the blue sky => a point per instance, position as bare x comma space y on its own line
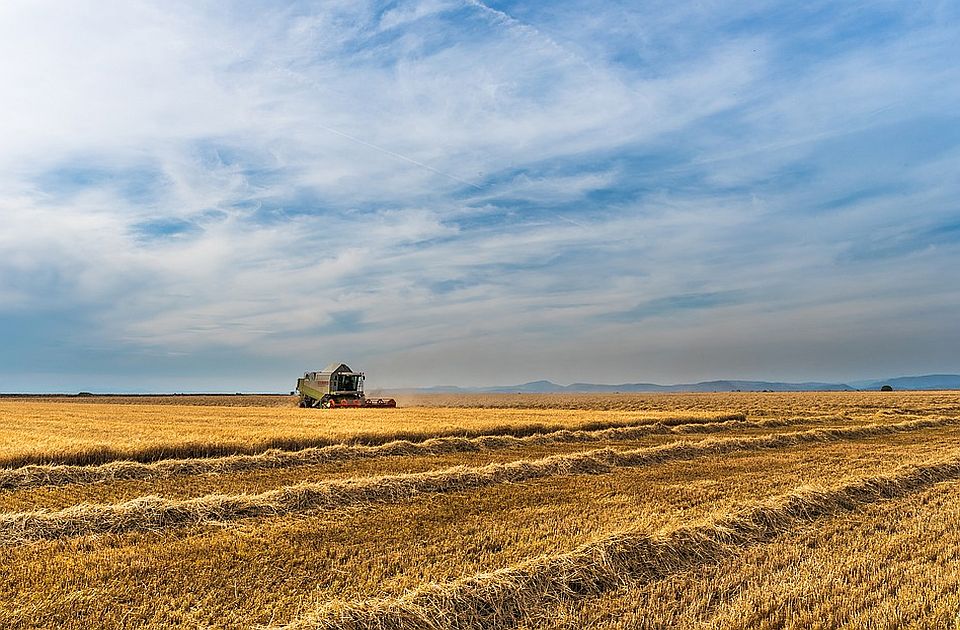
219, 196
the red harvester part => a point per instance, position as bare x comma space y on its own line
379, 402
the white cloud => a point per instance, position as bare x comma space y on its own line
348, 157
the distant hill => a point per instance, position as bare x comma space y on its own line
547, 387
705, 386
932, 381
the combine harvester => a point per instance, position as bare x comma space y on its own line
336, 386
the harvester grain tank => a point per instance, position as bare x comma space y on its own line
337, 386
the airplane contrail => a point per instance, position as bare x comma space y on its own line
370, 145
399, 156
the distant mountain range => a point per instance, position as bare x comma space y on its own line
928, 382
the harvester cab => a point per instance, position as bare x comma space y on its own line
336, 386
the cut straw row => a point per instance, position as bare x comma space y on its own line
95, 455
37, 475
505, 597
153, 513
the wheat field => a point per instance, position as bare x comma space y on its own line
814, 510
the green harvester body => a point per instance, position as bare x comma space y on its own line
336, 386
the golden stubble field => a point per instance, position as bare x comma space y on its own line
571, 511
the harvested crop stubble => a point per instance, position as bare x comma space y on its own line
859, 403
889, 565
36, 475
58, 497
34, 432
260, 571
503, 597
179, 400
751, 403
155, 513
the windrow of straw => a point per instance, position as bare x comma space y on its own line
505, 597
155, 513
149, 451
37, 475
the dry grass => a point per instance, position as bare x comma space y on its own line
892, 565
178, 400
279, 568
639, 510
151, 513
188, 486
506, 596
42, 431
750, 403
37, 475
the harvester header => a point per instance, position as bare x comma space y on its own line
336, 386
